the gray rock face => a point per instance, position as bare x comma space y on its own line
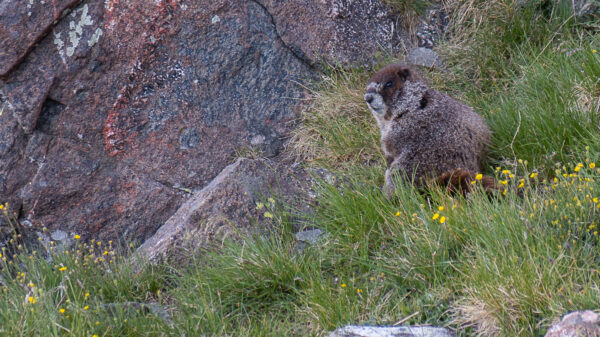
338, 31
110, 111
577, 324
404, 331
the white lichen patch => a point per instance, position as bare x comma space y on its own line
80, 24
215, 19
59, 43
95, 38
76, 29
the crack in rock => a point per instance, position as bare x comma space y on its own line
299, 54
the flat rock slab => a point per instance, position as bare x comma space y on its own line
400, 331
237, 201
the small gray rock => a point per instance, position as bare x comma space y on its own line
404, 331
577, 324
311, 236
58, 235
424, 57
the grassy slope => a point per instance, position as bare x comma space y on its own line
500, 267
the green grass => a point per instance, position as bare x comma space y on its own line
500, 266
79, 292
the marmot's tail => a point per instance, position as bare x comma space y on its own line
461, 181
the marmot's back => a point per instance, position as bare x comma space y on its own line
424, 132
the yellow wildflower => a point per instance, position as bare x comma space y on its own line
441, 208
86, 307
479, 176
62, 310
435, 216
268, 215
592, 165
343, 285
62, 268
77, 237
359, 290
397, 213
442, 219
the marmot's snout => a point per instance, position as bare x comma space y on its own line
375, 102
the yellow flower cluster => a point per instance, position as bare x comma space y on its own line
437, 216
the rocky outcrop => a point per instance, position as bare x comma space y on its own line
112, 112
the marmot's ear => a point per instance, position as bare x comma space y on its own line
405, 74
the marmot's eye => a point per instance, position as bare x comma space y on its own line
389, 84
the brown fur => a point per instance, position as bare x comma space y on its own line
425, 134
461, 181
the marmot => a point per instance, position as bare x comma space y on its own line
426, 135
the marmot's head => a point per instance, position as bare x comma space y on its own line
387, 91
